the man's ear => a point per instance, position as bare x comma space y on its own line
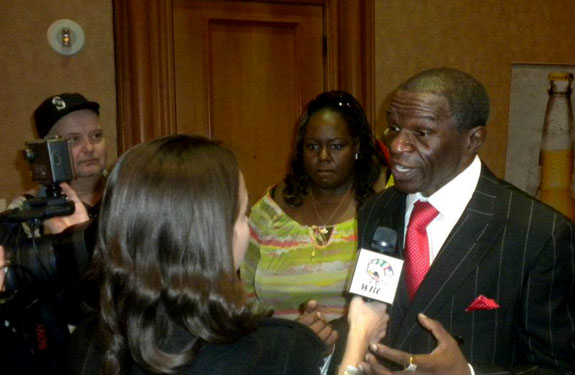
475, 138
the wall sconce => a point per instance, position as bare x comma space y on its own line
65, 37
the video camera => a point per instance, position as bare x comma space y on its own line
40, 294
50, 164
48, 260
45, 258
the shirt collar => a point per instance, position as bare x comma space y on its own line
454, 196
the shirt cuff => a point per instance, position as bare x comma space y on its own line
327, 361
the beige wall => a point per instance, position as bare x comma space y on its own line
30, 71
480, 37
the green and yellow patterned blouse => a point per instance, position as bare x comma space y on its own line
288, 263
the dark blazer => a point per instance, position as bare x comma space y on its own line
508, 247
277, 347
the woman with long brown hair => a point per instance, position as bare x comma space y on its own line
173, 232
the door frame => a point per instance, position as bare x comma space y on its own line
145, 67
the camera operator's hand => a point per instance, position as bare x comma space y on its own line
80, 215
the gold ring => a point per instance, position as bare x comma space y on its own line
412, 366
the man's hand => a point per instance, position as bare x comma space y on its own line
312, 317
445, 359
80, 215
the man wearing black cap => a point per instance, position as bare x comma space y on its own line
73, 117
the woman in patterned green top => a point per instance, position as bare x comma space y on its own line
303, 231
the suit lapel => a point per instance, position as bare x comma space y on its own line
468, 242
388, 211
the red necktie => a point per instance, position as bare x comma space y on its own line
417, 245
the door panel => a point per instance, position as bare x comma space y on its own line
243, 72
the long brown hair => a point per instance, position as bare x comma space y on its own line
166, 234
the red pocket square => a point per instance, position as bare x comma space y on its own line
483, 303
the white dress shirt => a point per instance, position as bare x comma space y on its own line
450, 201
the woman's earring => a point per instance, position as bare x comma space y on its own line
356, 155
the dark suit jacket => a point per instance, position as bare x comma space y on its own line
277, 347
506, 246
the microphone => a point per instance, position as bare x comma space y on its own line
384, 240
376, 273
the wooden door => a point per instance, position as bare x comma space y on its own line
243, 72
237, 71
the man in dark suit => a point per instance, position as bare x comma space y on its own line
499, 292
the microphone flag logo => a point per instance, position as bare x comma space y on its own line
376, 276
376, 268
